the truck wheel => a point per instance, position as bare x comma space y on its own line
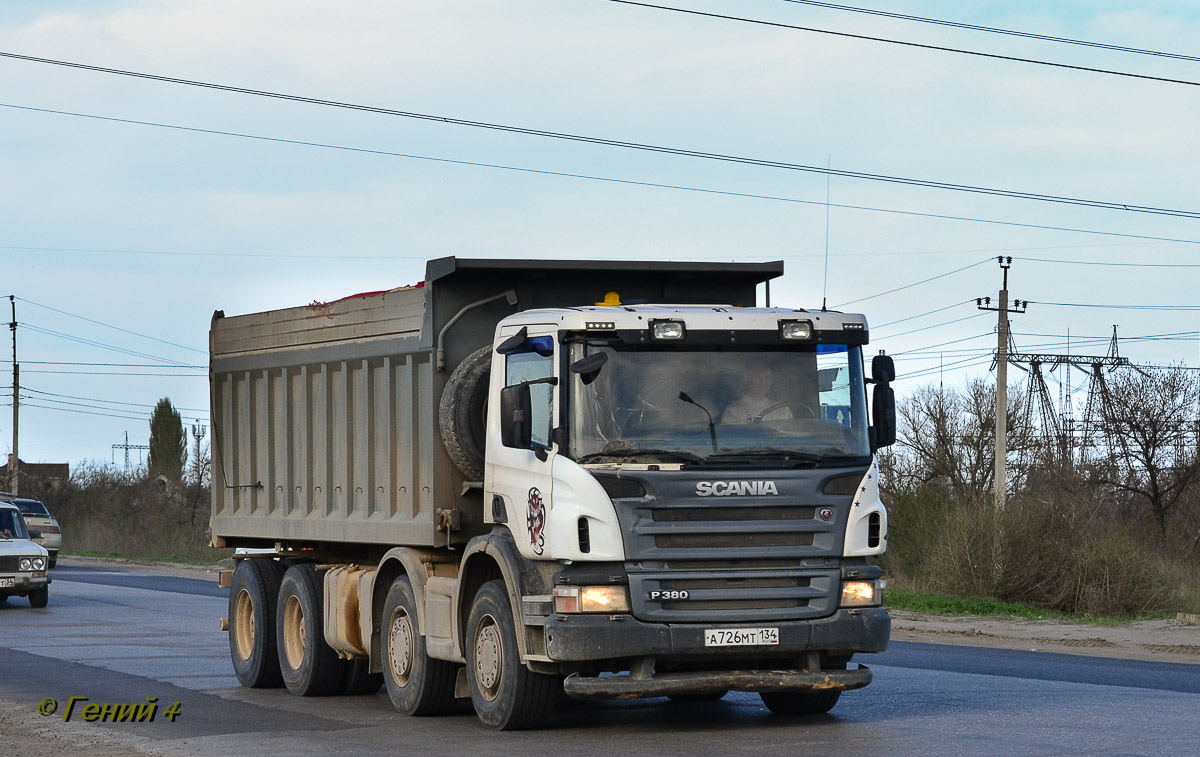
309, 666
252, 597
507, 695
416, 683
800, 703
462, 412
358, 680
40, 597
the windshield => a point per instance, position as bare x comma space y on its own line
719, 405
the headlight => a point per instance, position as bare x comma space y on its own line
861, 594
39, 563
667, 330
568, 599
795, 330
26, 563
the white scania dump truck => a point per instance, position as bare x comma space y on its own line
518, 477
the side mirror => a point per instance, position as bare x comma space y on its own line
883, 415
589, 367
516, 417
883, 370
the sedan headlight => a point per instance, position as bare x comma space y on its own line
861, 594
39, 563
610, 598
26, 563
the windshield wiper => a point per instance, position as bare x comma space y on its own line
784, 457
624, 454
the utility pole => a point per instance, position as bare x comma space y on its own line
985, 303
13, 472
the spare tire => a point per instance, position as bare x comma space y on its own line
462, 412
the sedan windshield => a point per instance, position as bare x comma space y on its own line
720, 406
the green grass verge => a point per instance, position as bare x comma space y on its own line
984, 607
218, 555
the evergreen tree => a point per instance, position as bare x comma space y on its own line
168, 442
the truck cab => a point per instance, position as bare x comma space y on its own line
703, 477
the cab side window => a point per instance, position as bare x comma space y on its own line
529, 362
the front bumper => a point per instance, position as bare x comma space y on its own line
705, 682
790, 665
571, 638
23, 583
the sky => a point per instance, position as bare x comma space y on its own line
131, 209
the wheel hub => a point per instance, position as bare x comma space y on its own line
293, 632
489, 658
244, 628
400, 646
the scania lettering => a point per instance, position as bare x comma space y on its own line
735, 488
522, 478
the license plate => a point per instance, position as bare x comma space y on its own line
8, 581
740, 637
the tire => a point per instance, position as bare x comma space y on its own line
40, 597
357, 680
53, 559
462, 412
416, 683
800, 703
252, 597
507, 695
309, 666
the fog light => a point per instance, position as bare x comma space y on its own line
667, 330
570, 599
860, 594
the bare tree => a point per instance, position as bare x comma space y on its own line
1151, 422
948, 436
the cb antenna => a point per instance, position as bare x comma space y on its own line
825, 286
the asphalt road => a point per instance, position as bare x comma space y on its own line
120, 638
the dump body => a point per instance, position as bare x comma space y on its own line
325, 417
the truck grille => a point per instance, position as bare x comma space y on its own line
759, 561
734, 595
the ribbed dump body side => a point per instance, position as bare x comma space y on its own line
324, 423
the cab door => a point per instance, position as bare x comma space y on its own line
518, 484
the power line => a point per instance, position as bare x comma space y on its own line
905, 43
118, 373
168, 362
85, 412
1107, 264
644, 147
934, 326
535, 171
995, 30
1117, 307
189, 410
110, 326
916, 283
921, 315
104, 365
84, 404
